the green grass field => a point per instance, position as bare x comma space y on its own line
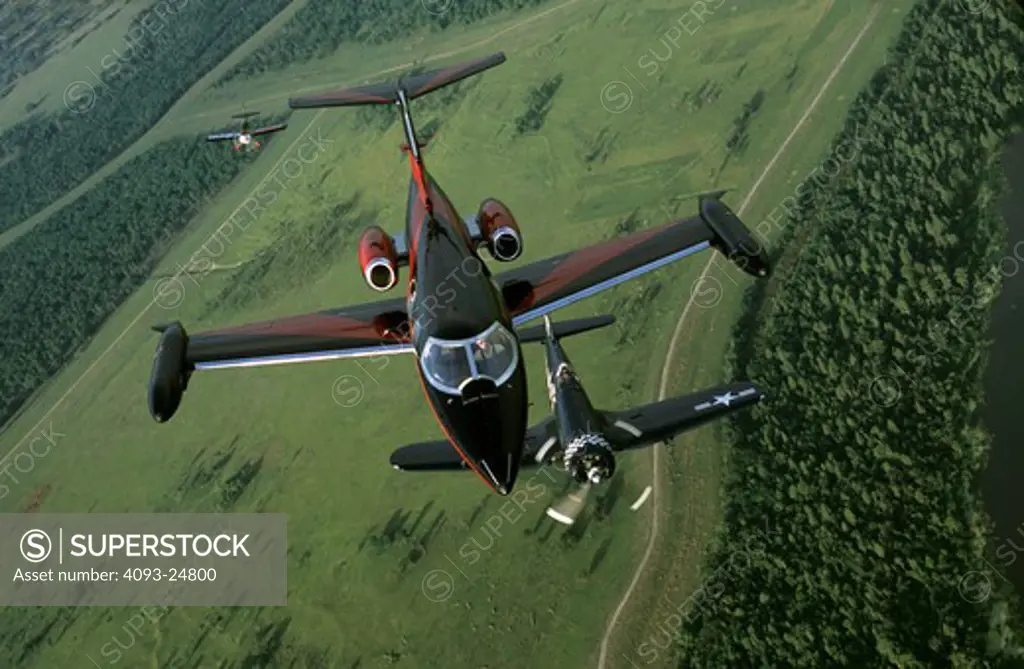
535, 595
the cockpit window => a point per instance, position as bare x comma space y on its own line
565, 373
494, 353
449, 364
446, 365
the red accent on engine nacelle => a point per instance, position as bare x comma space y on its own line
378, 259
499, 228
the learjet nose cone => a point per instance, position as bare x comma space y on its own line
492, 430
501, 468
497, 443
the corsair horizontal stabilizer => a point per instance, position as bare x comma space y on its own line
536, 333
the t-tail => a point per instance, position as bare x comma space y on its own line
401, 92
392, 92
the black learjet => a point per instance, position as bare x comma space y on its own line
583, 440
244, 137
461, 321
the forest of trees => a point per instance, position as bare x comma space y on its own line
91, 255
44, 157
854, 516
320, 27
30, 33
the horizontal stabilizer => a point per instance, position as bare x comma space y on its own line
713, 195
386, 93
536, 333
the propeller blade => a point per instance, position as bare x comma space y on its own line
568, 509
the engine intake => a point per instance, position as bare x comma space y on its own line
378, 259
169, 378
500, 230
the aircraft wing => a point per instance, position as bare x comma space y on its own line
367, 330
541, 287
634, 428
544, 286
221, 136
440, 456
645, 425
269, 129
376, 328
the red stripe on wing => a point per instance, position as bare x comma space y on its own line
577, 264
321, 325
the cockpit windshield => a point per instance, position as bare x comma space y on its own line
449, 364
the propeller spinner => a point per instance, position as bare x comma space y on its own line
589, 460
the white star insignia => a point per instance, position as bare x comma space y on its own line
725, 399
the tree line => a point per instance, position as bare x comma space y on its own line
30, 32
321, 26
64, 278
119, 98
855, 534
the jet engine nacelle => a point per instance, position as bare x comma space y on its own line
500, 230
733, 238
378, 259
169, 378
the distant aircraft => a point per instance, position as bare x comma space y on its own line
584, 440
243, 138
463, 323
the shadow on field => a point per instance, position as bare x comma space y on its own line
399, 532
606, 503
599, 556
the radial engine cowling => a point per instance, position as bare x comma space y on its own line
500, 231
378, 259
169, 378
